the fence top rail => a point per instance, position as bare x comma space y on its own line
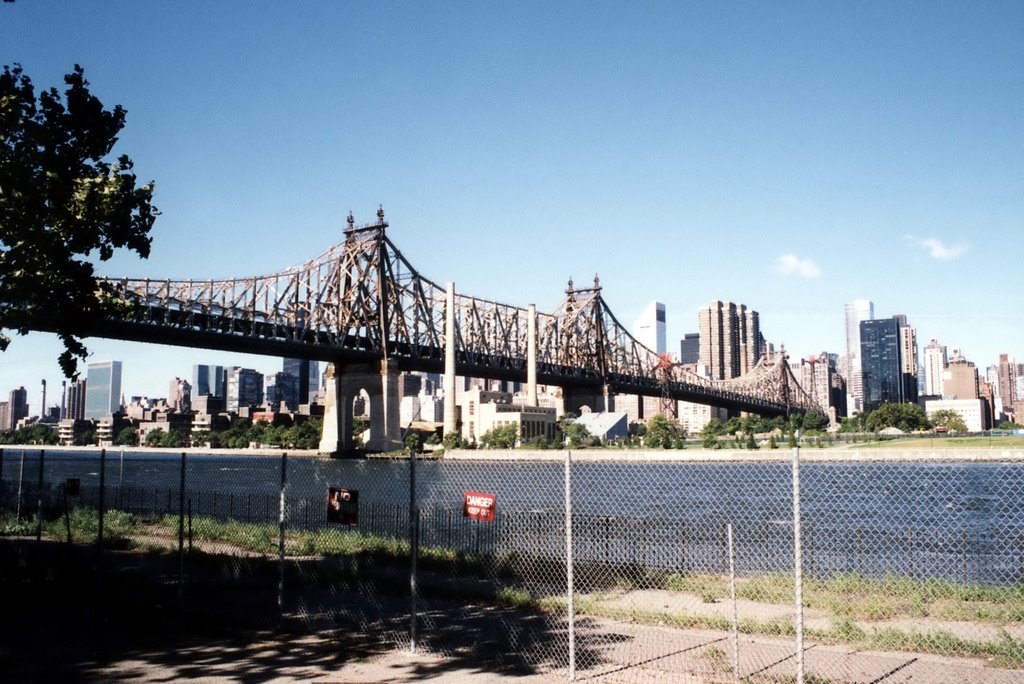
781, 455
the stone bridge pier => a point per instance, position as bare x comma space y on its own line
344, 383
597, 399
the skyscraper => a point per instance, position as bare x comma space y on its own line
960, 380
76, 400
17, 407
244, 388
908, 358
730, 339
853, 313
179, 395
689, 348
307, 377
281, 387
934, 363
208, 380
881, 363
649, 328
1007, 382
102, 389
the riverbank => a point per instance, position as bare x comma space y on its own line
843, 454
199, 451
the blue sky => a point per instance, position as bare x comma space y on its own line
788, 156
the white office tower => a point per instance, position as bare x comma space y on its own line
102, 389
935, 362
855, 312
649, 328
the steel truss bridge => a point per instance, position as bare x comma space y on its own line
362, 302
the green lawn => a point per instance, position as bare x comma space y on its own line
937, 442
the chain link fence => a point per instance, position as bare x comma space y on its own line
605, 566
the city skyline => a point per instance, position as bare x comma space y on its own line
792, 158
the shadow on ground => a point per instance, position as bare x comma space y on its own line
65, 619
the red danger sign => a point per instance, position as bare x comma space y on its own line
478, 505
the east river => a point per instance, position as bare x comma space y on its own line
960, 521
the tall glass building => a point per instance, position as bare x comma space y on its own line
208, 380
307, 378
102, 389
881, 362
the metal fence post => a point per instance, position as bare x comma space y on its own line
181, 530
414, 550
21, 480
39, 497
735, 612
571, 616
281, 528
101, 505
798, 580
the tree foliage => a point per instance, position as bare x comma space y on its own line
662, 433
573, 434
906, 417
501, 437
38, 433
63, 205
949, 419
128, 436
711, 432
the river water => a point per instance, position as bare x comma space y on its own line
960, 521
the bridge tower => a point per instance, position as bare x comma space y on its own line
584, 343
365, 284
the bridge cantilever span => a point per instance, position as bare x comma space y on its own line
361, 304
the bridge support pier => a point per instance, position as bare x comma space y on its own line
343, 386
597, 399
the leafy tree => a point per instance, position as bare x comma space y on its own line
37, 433
906, 417
306, 435
155, 437
661, 432
538, 442
732, 426
63, 205
1009, 425
577, 435
452, 440
359, 426
949, 419
855, 423
128, 436
172, 439
201, 438
85, 438
711, 433
573, 434
814, 422
501, 437
412, 442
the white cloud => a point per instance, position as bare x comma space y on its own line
940, 251
792, 265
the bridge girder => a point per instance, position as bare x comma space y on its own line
361, 300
